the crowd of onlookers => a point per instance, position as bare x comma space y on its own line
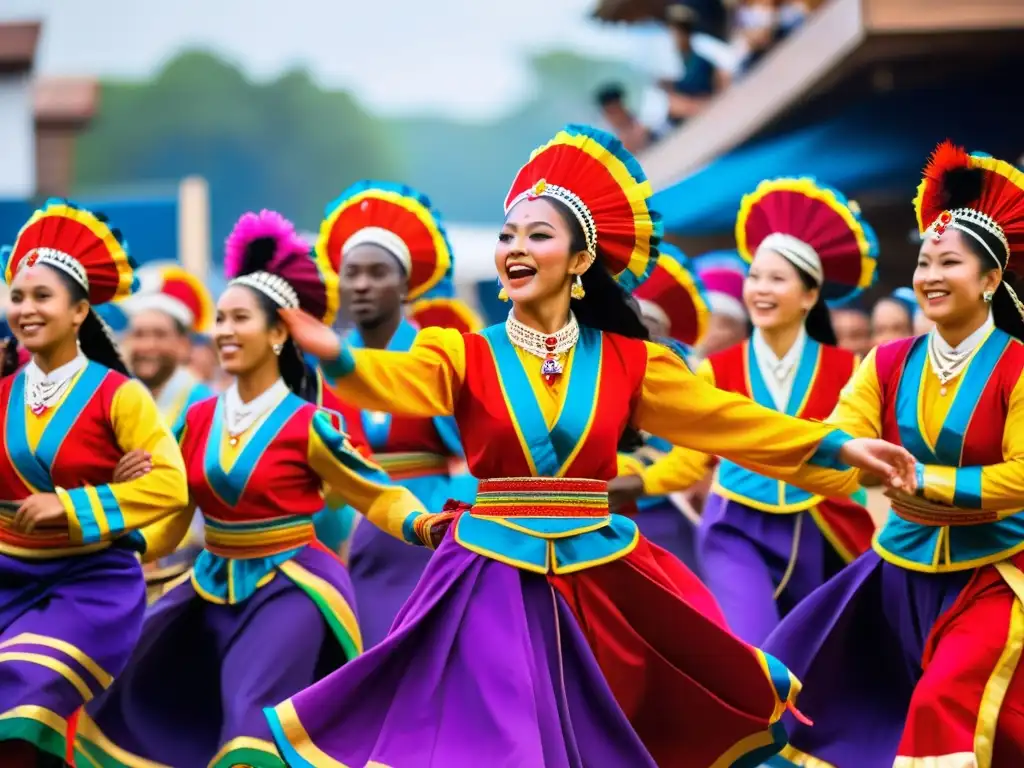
892, 317
718, 42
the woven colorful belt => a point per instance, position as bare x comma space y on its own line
257, 538
541, 497
402, 466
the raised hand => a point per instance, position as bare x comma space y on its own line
893, 463
310, 334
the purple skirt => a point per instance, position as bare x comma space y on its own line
486, 665
384, 572
194, 691
663, 524
67, 628
745, 555
857, 645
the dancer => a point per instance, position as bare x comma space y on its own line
673, 306
266, 610
72, 594
722, 273
912, 654
765, 545
893, 317
170, 305
544, 630
390, 247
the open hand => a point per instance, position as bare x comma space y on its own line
310, 335
132, 466
893, 463
40, 510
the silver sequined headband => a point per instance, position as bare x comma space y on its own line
277, 289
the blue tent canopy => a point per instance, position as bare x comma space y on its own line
877, 146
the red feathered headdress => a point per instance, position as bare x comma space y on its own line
173, 290
816, 228
978, 195
441, 308
394, 217
79, 243
604, 187
674, 291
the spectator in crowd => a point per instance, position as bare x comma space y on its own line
760, 24
893, 316
633, 134
922, 324
853, 329
707, 63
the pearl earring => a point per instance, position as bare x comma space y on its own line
987, 296
277, 349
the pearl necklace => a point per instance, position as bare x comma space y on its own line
241, 416
948, 362
548, 347
43, 391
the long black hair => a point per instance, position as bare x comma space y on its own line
605, 306
818, 321
95, 338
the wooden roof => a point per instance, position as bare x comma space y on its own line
65, 100
18, 45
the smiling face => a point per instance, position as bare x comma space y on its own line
243, 335
42, 312
157, 346
774, 293
890, 321
373, 284
538, 253
950, 279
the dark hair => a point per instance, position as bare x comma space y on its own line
609, 94
95, 338
605, 306
1004, 311
818, 321
290, 361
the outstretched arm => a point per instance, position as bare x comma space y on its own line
422, 382
679, 407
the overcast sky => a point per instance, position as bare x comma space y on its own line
463, 58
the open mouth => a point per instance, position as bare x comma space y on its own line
519, 274
30, 329
229, 348
765, 306
934, 296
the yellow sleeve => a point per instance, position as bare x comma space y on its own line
422, 382
681, 467
997, 487
106, 512
363, 484
678, 406
859, 410
168, 533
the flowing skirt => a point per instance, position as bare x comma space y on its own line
918, 668
760, 565
194, 691
67, 628
622, 664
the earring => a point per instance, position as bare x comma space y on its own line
987, 296
577, 292
277, 349
502, 293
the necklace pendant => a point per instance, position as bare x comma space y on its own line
942, 391
551, 369
39, 409
232, 441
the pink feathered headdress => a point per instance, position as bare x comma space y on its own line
267, 242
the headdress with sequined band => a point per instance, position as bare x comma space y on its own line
441, 308
675, 295
265, 253
79, 243
607, 192
170, 289
816, 229
394, 217
723, 273
979, 196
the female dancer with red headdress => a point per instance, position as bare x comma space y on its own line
72, 594
266, 610
912, 654
544, 630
